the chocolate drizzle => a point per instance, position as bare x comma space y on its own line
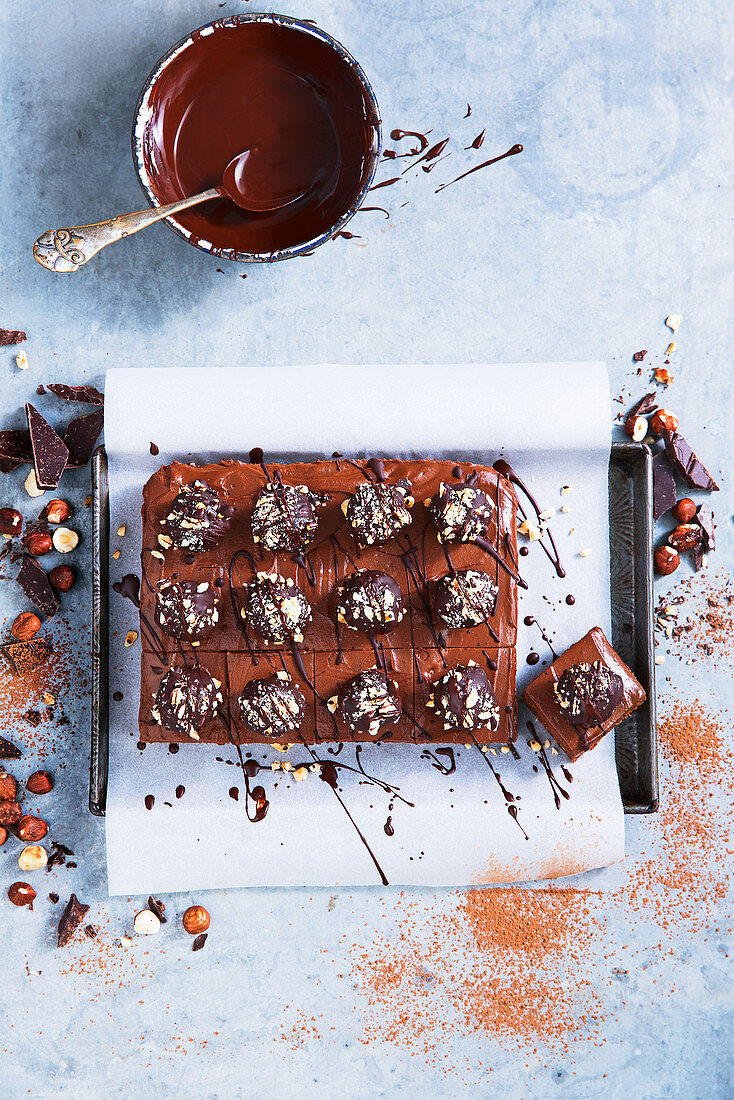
478, 167
503, 467
543, 757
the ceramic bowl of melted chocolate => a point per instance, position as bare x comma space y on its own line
286, 91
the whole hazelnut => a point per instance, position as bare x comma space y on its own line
26, 626
636, 428
56, 511
32, 828
10, 813
11, 522
38, 543
663, 421
196, 919
3, 835
683, 510
33, 857
685, 537
666, 560
8, 786
64, 540
22, 893
63, 577
39, 783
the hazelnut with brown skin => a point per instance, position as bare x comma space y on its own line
196, 920
684, 537
666, 560
663, 421
31, 829
56, 511
63, 577
26, 626
683, 510
3, 835
38, 543
636, 428
8, 786
11, 522
22, 893
40, 783
10, 813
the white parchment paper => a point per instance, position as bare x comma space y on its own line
552, 421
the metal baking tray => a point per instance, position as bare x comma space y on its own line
630, 534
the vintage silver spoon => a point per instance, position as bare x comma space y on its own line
67, 249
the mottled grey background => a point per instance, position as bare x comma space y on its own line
618, 213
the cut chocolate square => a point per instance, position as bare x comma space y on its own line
276, 671
496, 670
585, 693
50, 453
365, 711
183, 701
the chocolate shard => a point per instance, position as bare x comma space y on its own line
23, 657
158, 908
71, 918
50, 453
705, 519
10, 336
644, 406
686, 464
199, 941
82, 435
663, 486
36, 586
9, 751
639, 355
87, 395
15, 449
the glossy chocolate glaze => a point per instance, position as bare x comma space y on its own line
285, 95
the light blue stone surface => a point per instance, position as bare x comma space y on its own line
618, 213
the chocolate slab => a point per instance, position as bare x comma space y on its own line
541, 700
15, 449
81, 437
415, 560
152, 671
36, 586
663, 486
430, 667
242, 669
50, 453
86, 395
686, 464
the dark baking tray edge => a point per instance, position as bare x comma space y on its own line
630, 532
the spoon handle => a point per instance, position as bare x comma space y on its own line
67, 249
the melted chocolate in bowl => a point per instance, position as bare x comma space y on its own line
279, 91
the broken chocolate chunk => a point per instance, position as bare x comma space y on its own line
15, 449
9, 336
87, 395
639, 355
81, 437
23, 657
71, 918
158, 908
644, 406
50, 453
36, 586
704, 518
199, 941
663, 486
686, 464
9, 751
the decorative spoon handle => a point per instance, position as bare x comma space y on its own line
67, 249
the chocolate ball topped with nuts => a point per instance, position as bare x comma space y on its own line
187, 698
369, 601
367, 704
460, 512
198, 519
465, 599
377, 512
273, 706
284, 517
275, 608
588, 694
463, 699
186, 610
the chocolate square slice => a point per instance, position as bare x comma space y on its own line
496, 668
157, 677
50, 453
280, 675
589, 682
343, 699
